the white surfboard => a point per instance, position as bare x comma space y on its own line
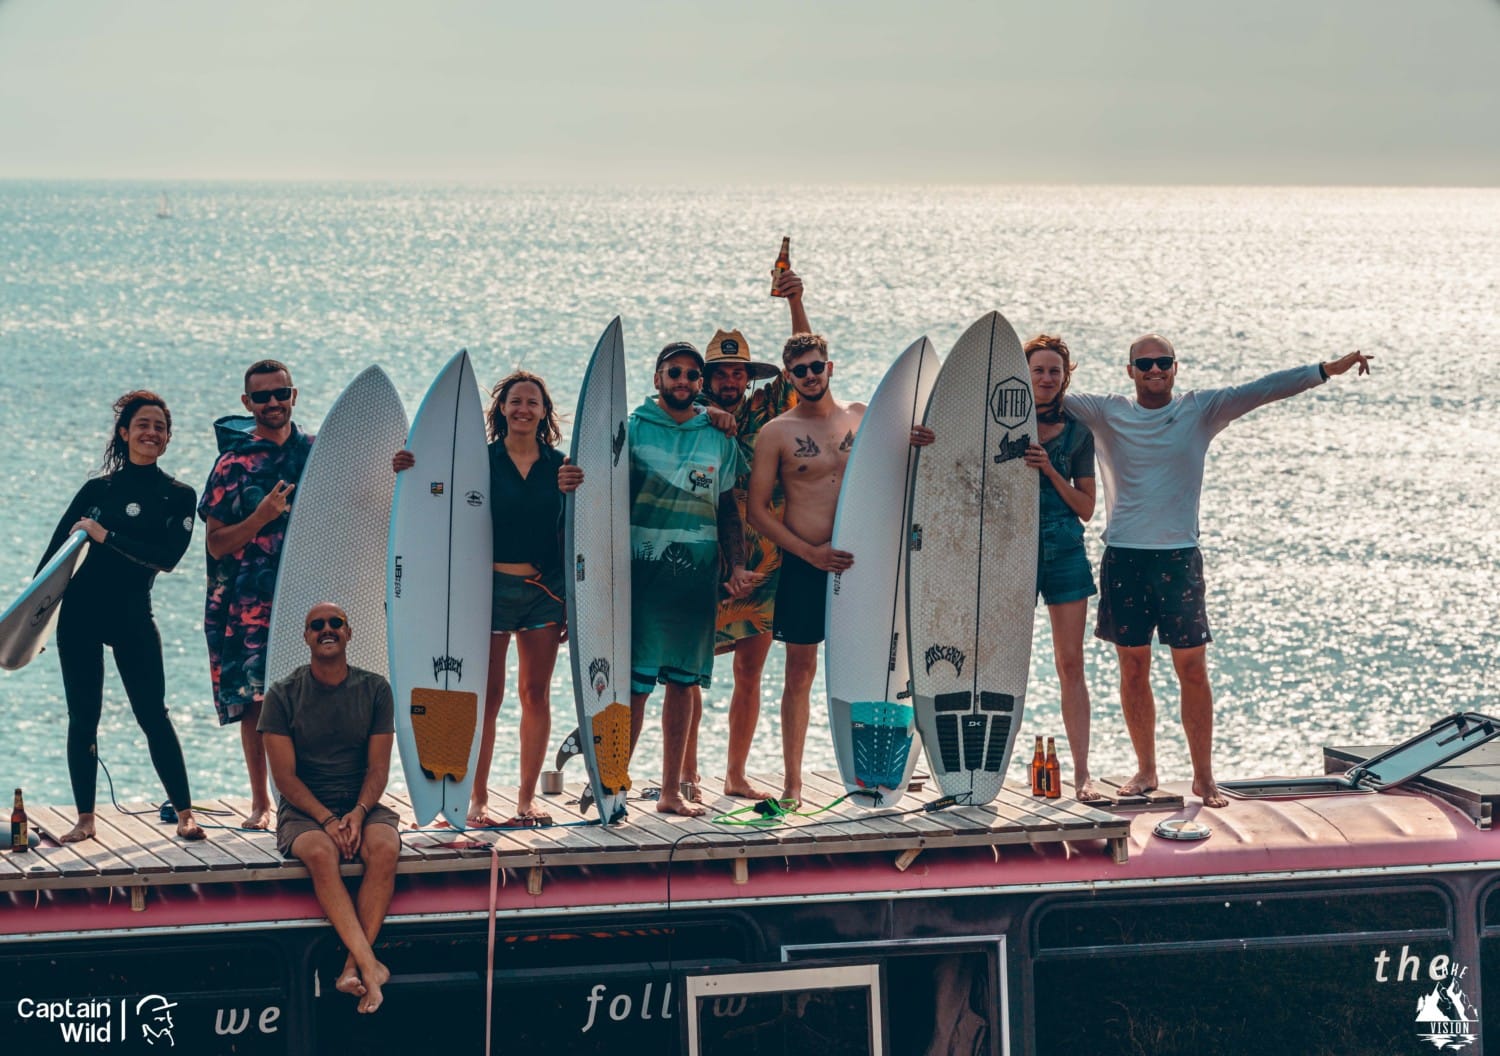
438, 595
870, 713
336, 536
597, 543
971, 562
27, 623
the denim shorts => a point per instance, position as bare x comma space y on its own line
1062, 564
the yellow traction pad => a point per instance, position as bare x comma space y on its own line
443, 722
611, 730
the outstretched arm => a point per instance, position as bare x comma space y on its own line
790, 287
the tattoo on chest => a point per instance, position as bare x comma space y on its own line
846, 443
807, 447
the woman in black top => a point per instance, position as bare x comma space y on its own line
528, 478
140, 521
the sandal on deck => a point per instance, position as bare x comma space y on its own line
535, 820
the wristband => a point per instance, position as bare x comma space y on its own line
364, 808
324, 823
1323, 371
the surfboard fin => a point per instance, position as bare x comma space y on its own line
571, 746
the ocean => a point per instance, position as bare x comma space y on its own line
1350, 534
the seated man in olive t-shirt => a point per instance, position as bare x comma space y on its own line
328, 731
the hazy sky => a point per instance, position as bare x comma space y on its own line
615, 91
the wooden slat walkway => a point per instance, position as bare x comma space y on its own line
139, 851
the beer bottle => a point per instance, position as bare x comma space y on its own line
1038, 771
783, 261
20, 835
1054, 772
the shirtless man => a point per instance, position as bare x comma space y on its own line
805, 450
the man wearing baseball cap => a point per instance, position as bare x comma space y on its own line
743, 625
682, 517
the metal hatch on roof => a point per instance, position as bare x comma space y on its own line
1441, 742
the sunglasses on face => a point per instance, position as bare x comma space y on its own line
676, 372
1160, 362
336, 622
265, 396
817, 367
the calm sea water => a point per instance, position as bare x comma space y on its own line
1351, 533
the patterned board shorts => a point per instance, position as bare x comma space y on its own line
1153, 590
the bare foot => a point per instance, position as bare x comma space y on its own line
82, 830
349, 981
188, 828
677, 805
374, 979
258, 818
1140, 784
745, 790
1087, 793
479, 819
691, 791
1208, 791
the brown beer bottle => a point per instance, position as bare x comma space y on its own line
1054, 772
1038, 771
20, 835
783, 261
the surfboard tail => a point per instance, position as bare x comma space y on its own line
882, 734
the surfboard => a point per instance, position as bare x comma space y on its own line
597, 543
28, 621
438, 595
870, 714
971, 562
341, 517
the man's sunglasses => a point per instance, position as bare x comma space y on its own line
817, 366
336, 622
676, 372
1160, 362
265, 395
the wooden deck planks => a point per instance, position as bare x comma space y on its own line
138, 850
96, 852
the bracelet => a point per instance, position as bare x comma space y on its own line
362, 807
324, 823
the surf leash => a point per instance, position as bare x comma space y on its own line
165, 811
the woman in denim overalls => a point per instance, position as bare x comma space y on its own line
1065, 459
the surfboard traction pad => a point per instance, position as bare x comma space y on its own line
882, 734
443, 725
970, 740
611, 732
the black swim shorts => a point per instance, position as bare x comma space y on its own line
1142, 591
801, 602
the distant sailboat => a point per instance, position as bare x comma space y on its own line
164, 210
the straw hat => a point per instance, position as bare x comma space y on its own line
730, 346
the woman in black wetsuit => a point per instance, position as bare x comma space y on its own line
139, 520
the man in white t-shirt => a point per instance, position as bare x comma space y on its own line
1152, 451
